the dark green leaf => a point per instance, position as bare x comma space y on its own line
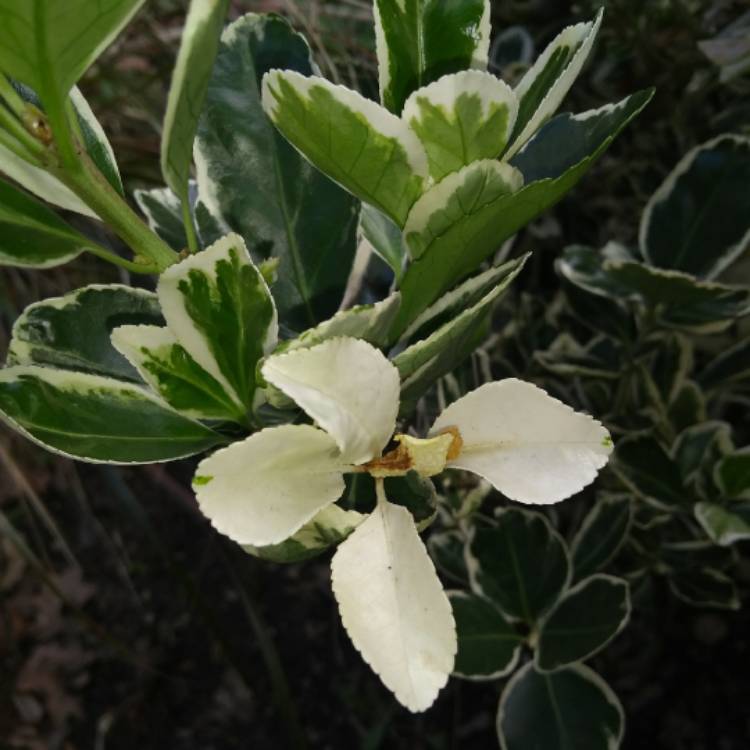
447, 552
725, 525
488, 645
573, 709
601, 534
704, 587
292, 212
73, 331
419, 41
697, 220
696, 451
732, 474
583, 622
729, 367
385, 238
163, 212
647, 468
33, 236
521, 564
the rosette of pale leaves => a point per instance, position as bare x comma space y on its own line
264, 489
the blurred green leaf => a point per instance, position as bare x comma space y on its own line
704, 587
697, 220
725, 525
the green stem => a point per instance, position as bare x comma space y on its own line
115, 259
28, 147
187, 220
88, 183
17, 148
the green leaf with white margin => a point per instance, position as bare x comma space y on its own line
163, 211
418, 41
572, 708
601, 535
370, 323
732, 475
680, 300
219, 308
529, 446
174, 374
461, 118
384, 237
262, 490
453, 200
698, 449
357, 143
347, 387
49, 44
488, 645
447, 551
521, 564
543, 88
33, 236
329, 527
554, 167
696, 221
40, 182
422, 363
725, 525
646, 468
393, 606
72, 332
464, 296
729, 367
566, 637
192, 72
704, 587
293, 213
97, 419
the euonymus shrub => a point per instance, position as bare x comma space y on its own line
242, 349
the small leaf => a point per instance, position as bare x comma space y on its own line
393, 606
727, 368
384, 237
542, 90
163, 211
174, 374
97, 419
370, 323
417, 42
31, 235
649, 470
221, 312
697, 220
488, 645
725, 525
353, 140
466, 295
461, 118
447, 550
583, 622
422, 363
704, 587
293, 213
602, 534
521, 565
697, 450
329, 527
572, 708
460, 250
72, 332
198, 48
732, 474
